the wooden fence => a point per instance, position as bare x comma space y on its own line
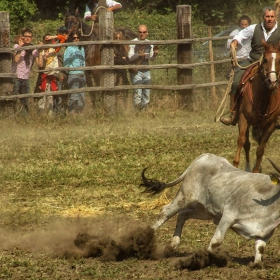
184, 63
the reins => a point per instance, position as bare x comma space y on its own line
92, 25
234, 64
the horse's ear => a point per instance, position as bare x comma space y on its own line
67, 11
77, 12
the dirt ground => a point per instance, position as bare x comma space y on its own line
70, 206
120, 248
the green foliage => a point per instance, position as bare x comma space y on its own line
20, 12
156, 14
154, 21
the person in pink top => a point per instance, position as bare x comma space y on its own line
22, 64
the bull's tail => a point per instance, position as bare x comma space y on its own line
154, 186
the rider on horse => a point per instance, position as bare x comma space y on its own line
269, 31
92, 6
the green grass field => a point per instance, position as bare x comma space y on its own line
60, 177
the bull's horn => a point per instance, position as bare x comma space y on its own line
274, 165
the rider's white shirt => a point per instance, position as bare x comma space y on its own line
109, 3
245, 35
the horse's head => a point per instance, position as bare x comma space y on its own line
270, 65
73, 22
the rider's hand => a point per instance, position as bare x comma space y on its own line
234, 44
94, 17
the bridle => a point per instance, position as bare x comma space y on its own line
267, 74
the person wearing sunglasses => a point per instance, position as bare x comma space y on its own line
22, 64
74, 56
140, 55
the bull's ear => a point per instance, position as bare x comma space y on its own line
275, 179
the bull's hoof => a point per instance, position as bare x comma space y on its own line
168, 251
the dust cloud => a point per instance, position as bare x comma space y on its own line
202, 259
104, 238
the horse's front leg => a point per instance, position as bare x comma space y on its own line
260, 150
242, 127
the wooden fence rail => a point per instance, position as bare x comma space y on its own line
124, 42
184, 63
114, 88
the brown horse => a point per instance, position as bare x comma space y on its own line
258, 106
93, 52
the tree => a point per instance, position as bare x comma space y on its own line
20, 13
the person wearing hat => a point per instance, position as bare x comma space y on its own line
62, 35
92, 6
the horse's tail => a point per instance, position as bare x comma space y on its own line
257, 133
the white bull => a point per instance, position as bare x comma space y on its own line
247, 203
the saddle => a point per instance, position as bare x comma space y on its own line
248, 75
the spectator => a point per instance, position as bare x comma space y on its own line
120, 58
22, 64
267, 30
60, 101
140, 54
92, 5
49, 78
74, 56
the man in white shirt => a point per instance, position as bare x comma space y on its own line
242, 50
92, 5
267, 30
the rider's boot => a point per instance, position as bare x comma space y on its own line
230, 118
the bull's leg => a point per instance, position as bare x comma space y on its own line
259, 250
242, 126
260, 244
181, 219
198, 213
219, 235
171, 209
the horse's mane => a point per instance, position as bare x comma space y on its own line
277, 7
271, 47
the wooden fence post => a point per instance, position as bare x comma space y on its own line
213, 104
106, 30
184, 54
6, 76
